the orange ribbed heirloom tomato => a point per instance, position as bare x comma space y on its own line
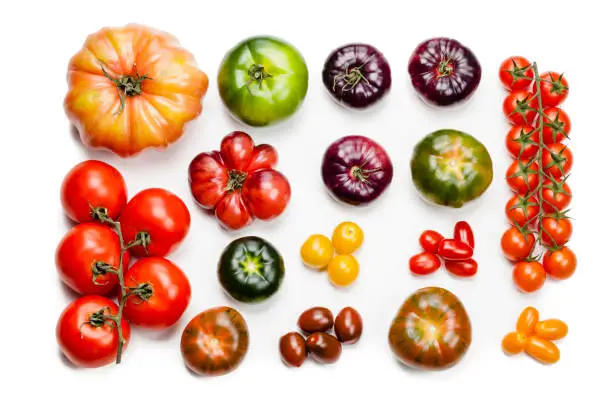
132, 88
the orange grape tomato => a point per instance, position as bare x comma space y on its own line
514, 343
347, 238
317, 251
544, 351
527, 321
551, 329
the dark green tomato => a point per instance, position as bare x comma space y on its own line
450, 168
250, 269
263, 80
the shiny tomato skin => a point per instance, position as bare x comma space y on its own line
454, 250
79, 251
520, 108
542, 350
522, 142
463, 233
159, 213
514, 343
522, 176
560, 264
171, 293
557, 160
430, 240
515, 246
527, 321
424, 263
529, 276
522, 210
83, 344
516, 73
93, 183
464, 268
554, 88
556, 196
556, 123
267, 193
556, 231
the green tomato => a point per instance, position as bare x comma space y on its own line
250, 269
263, 80
450, 168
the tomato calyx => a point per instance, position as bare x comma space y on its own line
524, 140
361, 174
100, 268
556, 187
556, 126
127, 85
524, 170
235, 180
558, 87
446, 68
523, 107
257, 74
144, 291
524, 202
518, 72
98, 213
557, 159
351, 78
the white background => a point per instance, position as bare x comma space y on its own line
38, 38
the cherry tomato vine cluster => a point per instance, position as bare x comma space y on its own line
93, 259
538, 174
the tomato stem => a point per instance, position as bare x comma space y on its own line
236, 179
127, 85
257, 73
351, 78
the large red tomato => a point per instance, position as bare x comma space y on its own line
157, 217
131, 88
161, 296
215, 341
239, 181
89, 249
85, 336
93, 184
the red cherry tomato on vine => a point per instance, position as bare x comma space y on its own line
556, 231
556, 196
521, 210
454, 250
520, 108
560, 264
522, 176
93, 183
522, 142
516, 246
160, 215
529, 276
557, 125
554, 89
430, 240
464, 268
463, 233
557, 160
163, 295
87, 248
85, 337
516, 73
424, 263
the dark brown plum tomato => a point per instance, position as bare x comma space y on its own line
324, 348
316, 319
292, 348
348, 325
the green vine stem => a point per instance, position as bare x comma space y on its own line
143, 291
543, 178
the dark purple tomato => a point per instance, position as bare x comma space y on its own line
443, 71
324, 348
292, 347
356, 170
316, 319
357, 75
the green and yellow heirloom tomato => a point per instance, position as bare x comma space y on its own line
250, 269
263, 80
450, 168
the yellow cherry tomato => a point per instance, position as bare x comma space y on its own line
527, 321
542, 350
317, 251
343, 270
514, 343
551, 329
347, 238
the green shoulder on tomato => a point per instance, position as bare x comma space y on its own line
250, 269
263, 80
451, 168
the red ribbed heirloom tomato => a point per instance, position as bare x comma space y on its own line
85, 337
162, 295
238, 182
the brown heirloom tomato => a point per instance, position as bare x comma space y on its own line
431, 330
238, 182
215, 341
132, 88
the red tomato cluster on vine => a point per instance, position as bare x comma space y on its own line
93, 259
542, 161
